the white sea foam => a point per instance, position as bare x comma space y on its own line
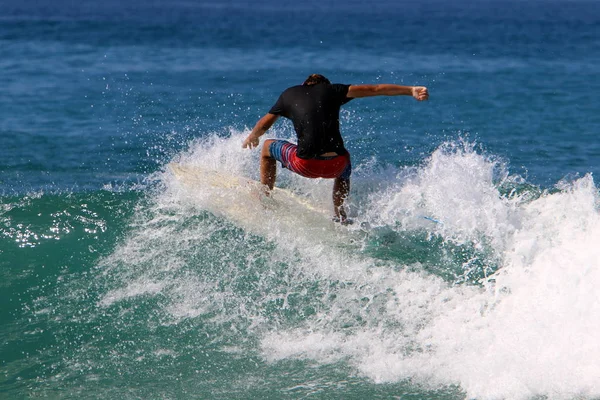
529, 329
456, 186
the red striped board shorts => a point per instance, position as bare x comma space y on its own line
318, 167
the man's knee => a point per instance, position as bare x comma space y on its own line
266, 149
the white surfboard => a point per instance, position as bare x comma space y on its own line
243, 201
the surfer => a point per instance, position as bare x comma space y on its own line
314, 108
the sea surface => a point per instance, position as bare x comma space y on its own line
471, 270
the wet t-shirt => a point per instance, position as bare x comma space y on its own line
315, 113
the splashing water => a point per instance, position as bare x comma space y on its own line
522, 326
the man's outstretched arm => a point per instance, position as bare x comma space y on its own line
259, 129
418, 92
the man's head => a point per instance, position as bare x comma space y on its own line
314, 79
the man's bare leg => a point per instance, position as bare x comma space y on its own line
341, 188
268, 166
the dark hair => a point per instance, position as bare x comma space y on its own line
314, 79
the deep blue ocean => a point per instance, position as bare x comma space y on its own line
472, 268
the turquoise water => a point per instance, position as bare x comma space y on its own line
471, 270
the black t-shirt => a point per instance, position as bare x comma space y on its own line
315, 112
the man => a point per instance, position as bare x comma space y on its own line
314, 108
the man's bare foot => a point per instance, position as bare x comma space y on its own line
342, 220
263, 194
